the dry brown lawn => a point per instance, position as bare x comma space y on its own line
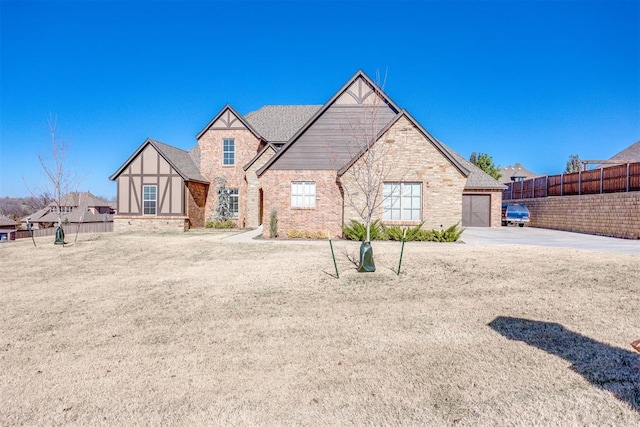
190, 330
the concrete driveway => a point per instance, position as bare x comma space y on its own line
482, 236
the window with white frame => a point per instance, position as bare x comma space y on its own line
149, 199
303, 194
229, 202
228, 151
233, 202
402, 201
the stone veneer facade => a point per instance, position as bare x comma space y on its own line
132, 223
613, 214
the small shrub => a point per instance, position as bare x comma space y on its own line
413, 233
318, 235
224, 224
219, 224
393, 232
356, 230
451, 234
273, 223
295, 234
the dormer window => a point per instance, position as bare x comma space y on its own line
228, 152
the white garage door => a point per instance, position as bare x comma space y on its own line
476, 210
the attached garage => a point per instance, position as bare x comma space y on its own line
476, 210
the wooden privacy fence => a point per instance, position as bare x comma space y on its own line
86, 227
613, 179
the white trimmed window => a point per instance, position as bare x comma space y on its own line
233, 202
303, 194
228, 152
402, 201
149, 199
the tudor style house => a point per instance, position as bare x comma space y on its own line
305, 161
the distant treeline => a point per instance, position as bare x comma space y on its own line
19, 207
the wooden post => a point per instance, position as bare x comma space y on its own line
601, 176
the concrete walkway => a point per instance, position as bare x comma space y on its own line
246, 237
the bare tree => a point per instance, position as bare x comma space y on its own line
58, 179
363, 178
368, 170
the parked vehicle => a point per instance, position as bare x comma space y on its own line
514, 214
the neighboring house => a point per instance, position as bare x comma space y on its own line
74, 207
515, 173
629, 154
8, 228
298, 160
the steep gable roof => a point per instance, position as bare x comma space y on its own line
278, 123
629, 154
358, 96
179, 160
267, 147
230, 119
7, 222
508, 173
86, 198
445, 151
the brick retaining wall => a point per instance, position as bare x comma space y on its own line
613, 214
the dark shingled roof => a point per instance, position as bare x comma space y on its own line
87, 199
181, 160
6, 222
278, 123
516, 170
477, 179
76, 216
185, 162
629, 154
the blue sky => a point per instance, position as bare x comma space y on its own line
525, 81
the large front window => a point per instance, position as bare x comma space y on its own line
228, 152
402, 201
303, 194
149, 199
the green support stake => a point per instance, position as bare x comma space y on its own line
334, 259
404, 239
401, 252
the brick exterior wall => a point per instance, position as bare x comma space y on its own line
253, 191
246, 147
410, 158
174, 224
325, 217
196, 201
615, 214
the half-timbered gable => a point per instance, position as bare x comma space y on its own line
153, 184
